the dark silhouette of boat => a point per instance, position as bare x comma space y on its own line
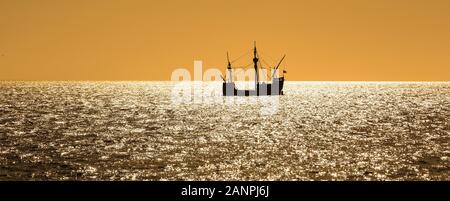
261, 88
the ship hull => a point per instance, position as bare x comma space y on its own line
262, 89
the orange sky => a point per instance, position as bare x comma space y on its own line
374, 40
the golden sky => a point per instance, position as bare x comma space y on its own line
373, 40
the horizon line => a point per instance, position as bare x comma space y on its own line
221, 81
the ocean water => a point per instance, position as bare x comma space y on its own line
148, 131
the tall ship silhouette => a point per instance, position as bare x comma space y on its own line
261, 88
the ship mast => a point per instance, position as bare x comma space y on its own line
230, 73
255, 61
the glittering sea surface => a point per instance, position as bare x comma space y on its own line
135, 131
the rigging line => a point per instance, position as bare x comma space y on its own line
245, 67
268, 65
248, 65
265, 75
246, 53
260, 64
271, 59
259, 61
